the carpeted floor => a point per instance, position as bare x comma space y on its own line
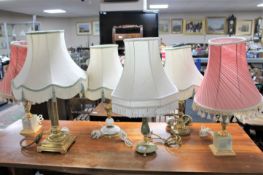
10, 113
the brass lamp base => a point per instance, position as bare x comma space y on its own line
59, 142
146, 148
222, 145
182, 131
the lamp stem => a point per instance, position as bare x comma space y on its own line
54, 115
27, 107
145, 129
223, 131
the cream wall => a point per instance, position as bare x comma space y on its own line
73, 40
181, 38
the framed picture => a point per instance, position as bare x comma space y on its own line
244, 27
96, 27
164, 26
194, 26
216, 25
176, 25
83, 28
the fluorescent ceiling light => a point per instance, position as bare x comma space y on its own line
158, 6
260, 5
54, 11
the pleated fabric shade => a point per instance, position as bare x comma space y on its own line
181, 69
17, 59
227, 87
144, 89
104, 71
48, 72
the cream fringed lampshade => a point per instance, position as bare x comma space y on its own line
49, 70
17, 59
144, 90
227, 87
49, 73
104, 71
181, 70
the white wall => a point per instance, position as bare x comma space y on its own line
182, 38
73, 40
66, 24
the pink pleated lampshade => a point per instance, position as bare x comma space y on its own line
227, 87
17, 59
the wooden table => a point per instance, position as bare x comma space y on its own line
111, 156
100, 111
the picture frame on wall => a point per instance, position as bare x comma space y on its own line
194, 26
176, 26
96, 27
164, 25
216, 25
244, 27
84, 28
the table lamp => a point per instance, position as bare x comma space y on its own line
103, 73
181, 70
49, 73
31, 123
144, 90
227, 89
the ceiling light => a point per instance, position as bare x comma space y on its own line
158, 6
54, 11
260, 5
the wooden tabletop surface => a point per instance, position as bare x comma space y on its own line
100, 111
111, 156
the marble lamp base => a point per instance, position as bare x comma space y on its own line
31, 125
222, 145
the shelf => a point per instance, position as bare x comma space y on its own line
249, 60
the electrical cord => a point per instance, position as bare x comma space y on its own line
35, 140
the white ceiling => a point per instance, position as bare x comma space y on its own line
77, 8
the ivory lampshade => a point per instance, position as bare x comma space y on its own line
180, 68
49, 73
104, 71
227, 87
144, 89
18, 56
49, 70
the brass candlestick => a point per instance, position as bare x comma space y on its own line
180, 124
57, 141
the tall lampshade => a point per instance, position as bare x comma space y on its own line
227, 88
104, 71
144, 90
49, 73
181, 69
17, 59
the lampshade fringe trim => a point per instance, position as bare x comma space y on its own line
144, 111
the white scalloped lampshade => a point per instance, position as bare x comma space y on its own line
144, 90
104, 71
48, 72
181, 69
